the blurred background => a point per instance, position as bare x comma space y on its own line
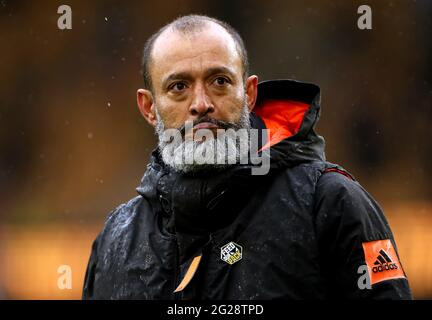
73, 145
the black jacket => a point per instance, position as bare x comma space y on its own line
299, 232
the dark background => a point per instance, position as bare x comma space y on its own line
73, 145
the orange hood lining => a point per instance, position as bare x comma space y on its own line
282, 118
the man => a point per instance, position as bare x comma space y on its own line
301, 229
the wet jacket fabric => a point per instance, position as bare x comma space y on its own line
302, 231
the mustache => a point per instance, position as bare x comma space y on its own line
221, 124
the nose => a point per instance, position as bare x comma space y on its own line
201, 104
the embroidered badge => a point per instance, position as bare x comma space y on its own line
231, 252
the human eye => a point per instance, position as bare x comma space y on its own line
221, 81
177, 87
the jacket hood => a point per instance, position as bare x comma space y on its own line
290, 110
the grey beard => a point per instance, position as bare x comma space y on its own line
219, 152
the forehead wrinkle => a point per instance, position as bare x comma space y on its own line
171, 35
187, 54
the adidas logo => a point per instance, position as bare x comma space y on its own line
383, 263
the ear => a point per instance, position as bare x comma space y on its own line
251, 91
146, 106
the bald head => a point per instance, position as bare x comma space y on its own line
188, 27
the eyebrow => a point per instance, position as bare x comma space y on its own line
215, 70
176, 76
187, 76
